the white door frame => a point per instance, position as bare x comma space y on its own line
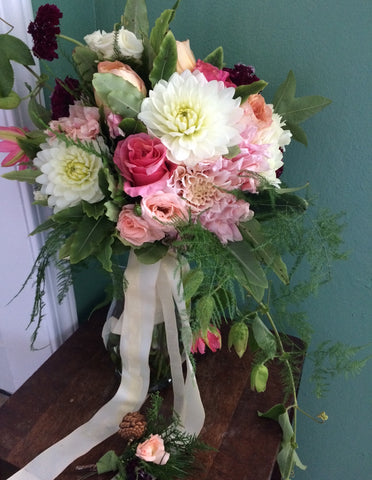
18, 251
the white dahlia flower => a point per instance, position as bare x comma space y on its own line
69, 174
195, 119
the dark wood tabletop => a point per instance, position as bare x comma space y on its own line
79, 378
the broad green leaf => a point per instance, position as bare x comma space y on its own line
118, 94
85, 62
274, 412
70, 214
204, 310
165, 62
94, 210
215, 58
39, 115
238, 338
14, 49
28, 175
10, 102
112, 211
248, 263
87, 238
47, 225
191, 282
131, 126
108, 463
296, 110
264, 338
160, 30
105, 252
135, 18
151, 253
298, 132
244, 91
264, 250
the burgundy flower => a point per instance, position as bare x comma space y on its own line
44, 30
242, 74
64, 94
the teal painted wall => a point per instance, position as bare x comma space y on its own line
328, 45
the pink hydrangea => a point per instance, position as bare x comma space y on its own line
81, 124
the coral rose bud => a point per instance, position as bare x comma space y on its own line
124, 71
185, 57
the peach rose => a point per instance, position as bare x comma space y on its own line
124, 71
164, 209
152, 450
185, 57
262, 112
135, 229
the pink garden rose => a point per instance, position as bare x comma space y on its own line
135, 229
213, 73
143, 163
164, 210
152, 450
125, 72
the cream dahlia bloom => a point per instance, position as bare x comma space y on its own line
68, 174
195, 119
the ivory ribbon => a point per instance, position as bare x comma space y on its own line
149, 287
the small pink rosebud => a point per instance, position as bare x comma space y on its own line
185, 57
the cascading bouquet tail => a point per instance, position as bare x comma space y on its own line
148, 150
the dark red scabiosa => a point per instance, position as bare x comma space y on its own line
44, 30
64, 94
242, 74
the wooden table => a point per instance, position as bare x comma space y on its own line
79, 378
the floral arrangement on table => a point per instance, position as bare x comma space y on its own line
154, 152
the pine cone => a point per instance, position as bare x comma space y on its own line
133, 426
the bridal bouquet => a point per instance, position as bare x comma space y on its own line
177, 160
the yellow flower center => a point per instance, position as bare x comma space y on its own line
186, 120
77, 168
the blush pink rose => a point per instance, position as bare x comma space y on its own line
213, 73
125, 72
164, 210
142, 161
135, 229
262, 112
152, 450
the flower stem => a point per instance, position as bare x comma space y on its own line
70, 39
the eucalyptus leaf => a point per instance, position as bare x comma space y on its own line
14, 49
135, 18
215, 58
165, 62
11, 101
28, 175
264, 338
118, 94
6, 76
244, 91
132, 125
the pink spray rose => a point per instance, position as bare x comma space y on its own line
152, 450
135, 229
213, 73
143, 163
163, 210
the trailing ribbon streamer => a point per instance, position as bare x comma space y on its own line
149, 286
